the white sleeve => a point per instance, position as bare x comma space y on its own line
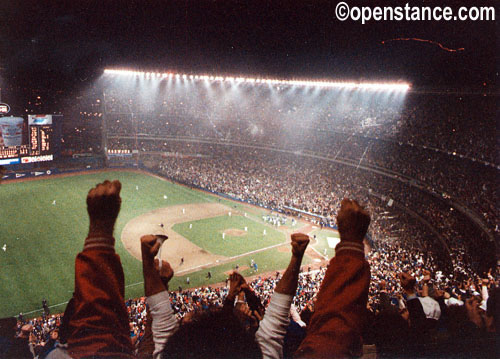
164, 322
272, 328
294, 314
484, 293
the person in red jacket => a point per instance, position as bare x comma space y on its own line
337, 323
98, 322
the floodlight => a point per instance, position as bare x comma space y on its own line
402, 87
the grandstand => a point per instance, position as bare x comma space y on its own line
370, 145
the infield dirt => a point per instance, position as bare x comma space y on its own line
177, 246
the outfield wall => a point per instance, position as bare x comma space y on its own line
47, 172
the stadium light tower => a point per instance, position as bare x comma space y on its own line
367, 86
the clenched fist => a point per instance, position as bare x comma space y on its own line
150, 245
103, 202
352, 221
299, 244
103, 205
165, 270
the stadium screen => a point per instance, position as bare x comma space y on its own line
26, 140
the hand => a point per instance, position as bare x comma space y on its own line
352, 221
155, 279
166, 272
405, 314
149, 249
438, 293
407, 282
299, 244
250, 318
32, 338
103, 205
427, 275
245, 288
236, 282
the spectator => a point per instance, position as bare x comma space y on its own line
336, 325
98, 324
202, 335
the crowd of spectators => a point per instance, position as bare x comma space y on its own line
438, 142
434, 144
396, 292
386, 263
265, 177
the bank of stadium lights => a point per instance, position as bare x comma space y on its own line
371, 86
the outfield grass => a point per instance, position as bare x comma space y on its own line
43, 239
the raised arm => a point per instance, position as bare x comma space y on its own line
273, 326
425, 284
156, 280
99, 322
288, 283
336, 325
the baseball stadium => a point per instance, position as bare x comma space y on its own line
222, 182
212, 233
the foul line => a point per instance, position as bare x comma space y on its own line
314, 249
50, 306
211, 264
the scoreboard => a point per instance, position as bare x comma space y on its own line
26, 140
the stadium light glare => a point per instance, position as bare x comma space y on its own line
374, 86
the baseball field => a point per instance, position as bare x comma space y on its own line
44, 223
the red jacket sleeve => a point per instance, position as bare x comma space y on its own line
337, 323
99, 324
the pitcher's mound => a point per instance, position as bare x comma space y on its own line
235, 232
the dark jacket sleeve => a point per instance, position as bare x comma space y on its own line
99, 323
337, 323
418, 321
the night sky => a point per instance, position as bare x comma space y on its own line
69, 44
